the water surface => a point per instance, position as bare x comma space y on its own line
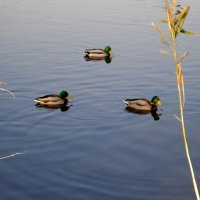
96, 149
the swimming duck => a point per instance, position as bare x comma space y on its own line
54, 100
143, 105
98, 53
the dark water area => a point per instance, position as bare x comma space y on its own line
96, 149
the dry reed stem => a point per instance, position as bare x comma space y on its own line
182, 57
186, 145
175, 21
183, 90
2, 89
8, 92
12, 155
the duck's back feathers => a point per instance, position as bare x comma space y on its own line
139, 101
52, 104
94, 51
49, 98
138, 104
52, 100
98, 53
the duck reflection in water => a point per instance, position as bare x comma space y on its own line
154, 113
107, 59
144, 106
62, 108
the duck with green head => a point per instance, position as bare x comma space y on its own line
98, 54
54, 100
142, 104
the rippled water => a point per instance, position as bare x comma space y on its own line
96, 149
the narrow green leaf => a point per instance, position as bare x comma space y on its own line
189, 33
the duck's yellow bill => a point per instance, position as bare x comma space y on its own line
159, 102
69, 97
110, 52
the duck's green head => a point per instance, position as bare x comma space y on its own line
65, 94
108, 49
156, 100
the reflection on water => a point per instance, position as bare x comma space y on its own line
63, 108
12, 155
154, 114
107, 59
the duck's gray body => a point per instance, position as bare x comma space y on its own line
139, 104
52, 100
96, 53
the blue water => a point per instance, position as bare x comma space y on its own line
96, 149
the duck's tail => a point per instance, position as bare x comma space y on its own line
125, 101
37, 101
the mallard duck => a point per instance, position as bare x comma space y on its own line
98, 53
54, 100
143, 105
